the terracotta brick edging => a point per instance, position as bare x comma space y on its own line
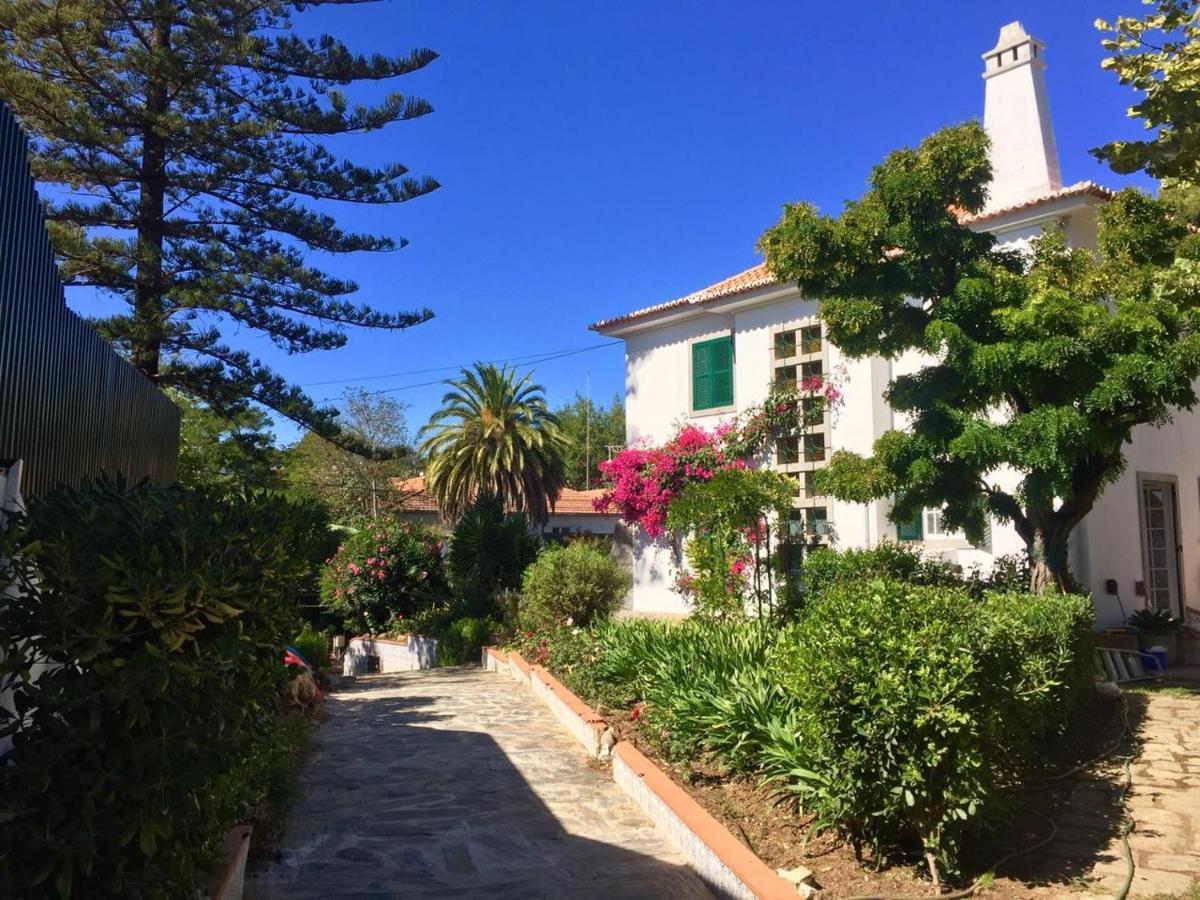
725, 864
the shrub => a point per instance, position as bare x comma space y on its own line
825, 569
383, 571
313, 646
142, 648
463, 640
916, 702
573, 584
488, 553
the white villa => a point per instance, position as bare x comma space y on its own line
1143, 536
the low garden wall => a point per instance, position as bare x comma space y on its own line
403, 654
724, 863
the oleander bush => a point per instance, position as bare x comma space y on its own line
384, 573
141, 646
572, 584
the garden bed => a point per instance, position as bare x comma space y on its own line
781, 839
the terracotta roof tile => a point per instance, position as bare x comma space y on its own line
755, 277
1078, 189
759, 276
413, 498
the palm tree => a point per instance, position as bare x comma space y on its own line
494, 434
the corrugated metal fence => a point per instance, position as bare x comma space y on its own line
70, 406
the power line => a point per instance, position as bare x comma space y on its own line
534, 357
407, 387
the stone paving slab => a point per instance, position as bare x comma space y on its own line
456, 783
1164, 802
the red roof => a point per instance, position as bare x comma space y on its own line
760, 276
1078, 189
414, 498
751, 279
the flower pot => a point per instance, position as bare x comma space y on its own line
1167, 640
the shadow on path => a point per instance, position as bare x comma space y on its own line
456, 783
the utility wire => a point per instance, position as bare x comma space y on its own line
407, 387
532, 357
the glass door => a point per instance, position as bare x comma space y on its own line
1160, 544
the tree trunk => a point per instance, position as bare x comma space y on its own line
1048, 568
148, 324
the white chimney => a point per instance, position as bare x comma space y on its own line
1016, 116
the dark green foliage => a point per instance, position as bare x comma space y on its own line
232, 453
384, 573
918, 703
192, 142
463, 640
1043, 363
588, 425
313, 646
825, 569
157, 620
1155, 621
488, 553
895, 713
574, 583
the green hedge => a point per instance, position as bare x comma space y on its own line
571, 584
142, 645
463, 640
916, 703
893, 712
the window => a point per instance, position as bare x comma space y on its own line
933, 527
811, 370
909, 529
810, 339
712, 373
787, 451
785, 344
814, 447
786, 376
818, 521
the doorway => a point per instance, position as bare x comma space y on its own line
1158, 504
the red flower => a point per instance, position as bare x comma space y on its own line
635, 713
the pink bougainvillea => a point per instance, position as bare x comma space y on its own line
641, 482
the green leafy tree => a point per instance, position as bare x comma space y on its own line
593, 433
217, 452
358, 484
494, 433
191, 142
1040, 363
1158, 55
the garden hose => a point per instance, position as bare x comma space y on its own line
1121, 894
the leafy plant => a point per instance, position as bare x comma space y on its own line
463, 640
729, 521
573, 583
917, 702
313, 646
384, 572
141, 643
488, 554
1155, 621
826, 568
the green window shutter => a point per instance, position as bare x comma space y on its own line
910, 530
712, 373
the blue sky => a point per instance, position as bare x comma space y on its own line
597, 157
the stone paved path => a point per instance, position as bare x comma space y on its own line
1164, 801
459, 783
